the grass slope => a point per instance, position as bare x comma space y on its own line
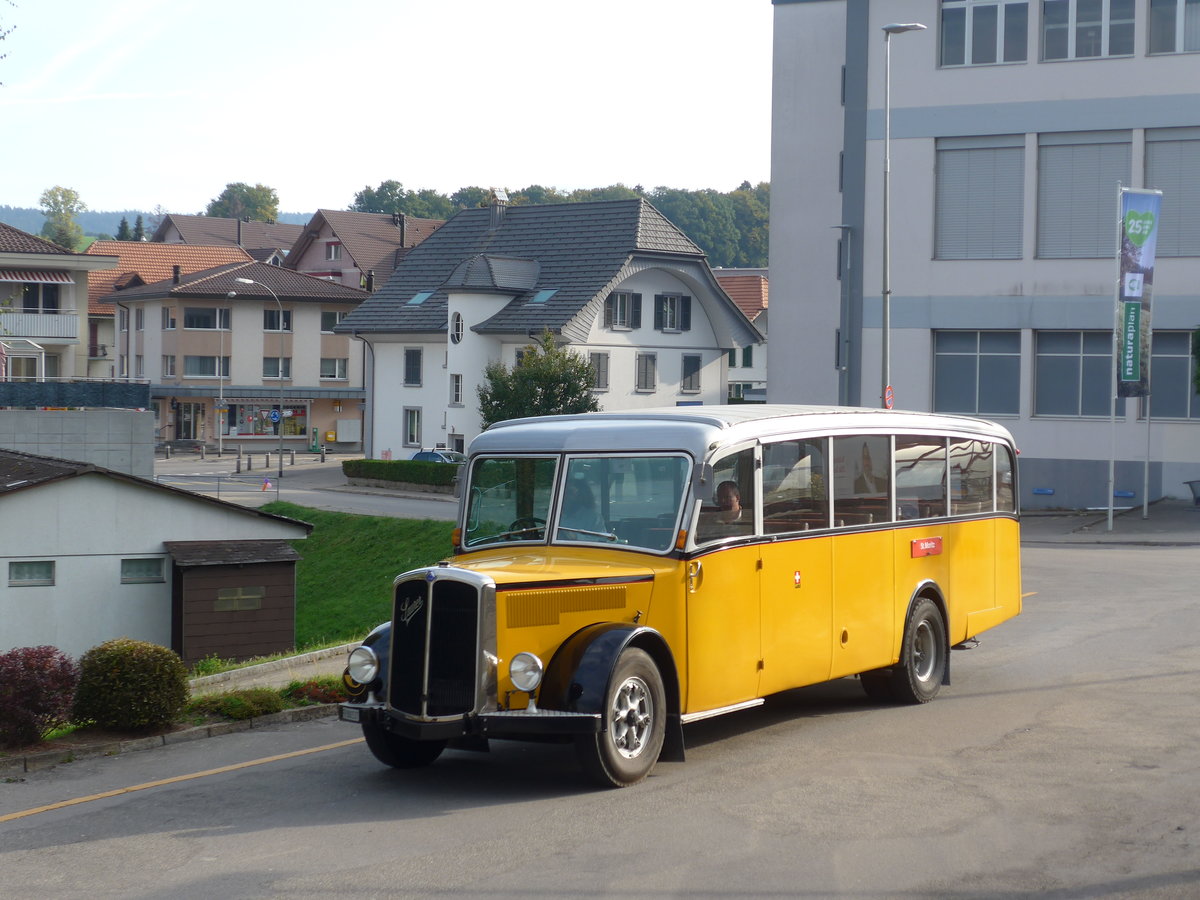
344, 581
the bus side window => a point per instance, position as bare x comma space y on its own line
1006, 498
730, 512
794, 480
861, 480
971, 487
921, 476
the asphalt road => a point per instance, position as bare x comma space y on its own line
1063, 761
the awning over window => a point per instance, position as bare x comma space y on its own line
35, 276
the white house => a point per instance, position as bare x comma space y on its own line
614, 280
1012, 124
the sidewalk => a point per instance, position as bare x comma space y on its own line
1170, 523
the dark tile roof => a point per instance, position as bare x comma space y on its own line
219, 281
373, 241
580, 248
217, 230
229, 553
14, 240
141, 262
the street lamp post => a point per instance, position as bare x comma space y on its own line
280, 370
888, 30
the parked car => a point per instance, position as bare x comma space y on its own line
440, 456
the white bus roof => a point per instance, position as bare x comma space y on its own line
699, 429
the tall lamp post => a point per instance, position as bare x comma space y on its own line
885, 392
280, 370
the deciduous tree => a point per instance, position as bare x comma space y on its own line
549, 380
239, 200
60, 206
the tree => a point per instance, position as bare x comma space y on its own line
471, 197
549, 380
123, 232
139, 229
239, 201
387, 198
60, 206
157, 216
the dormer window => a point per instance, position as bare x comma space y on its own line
672, 312
623, 311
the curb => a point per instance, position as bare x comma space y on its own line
248, 673
36, 762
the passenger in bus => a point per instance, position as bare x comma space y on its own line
580, 519
728, 519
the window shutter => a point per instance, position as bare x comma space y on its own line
659, 302
1173, 166
1077, 194
608, 311
979, 198
685, 313
635, 311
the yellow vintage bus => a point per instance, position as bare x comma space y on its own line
618, 575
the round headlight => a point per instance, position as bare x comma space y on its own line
526, 670
363, 665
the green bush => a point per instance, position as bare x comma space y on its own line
409, 470
127, 684
243, 704
37, 685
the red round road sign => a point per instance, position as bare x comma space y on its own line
889, 397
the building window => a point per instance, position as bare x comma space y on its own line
672, 312
233, 599
738, 389
1077, 192
139, 319
139, 366
329, 319
455, 389
271, 320
1173, 387
33, 573
748, 356
270, 368
122, 320
623, 311
412, 366
412, 427
980, 197
40, 298
335, 369
647, 372
1174, 26
1173, 167
977, 372
168, 319
168, 367
1073, 374
1085, 29
204, 367
689, 379
333, 251
599, 363
211, 318
142, 571
980, 32
457, 328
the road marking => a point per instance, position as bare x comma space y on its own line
175, 780
1028, 594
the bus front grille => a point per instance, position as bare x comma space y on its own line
435, 648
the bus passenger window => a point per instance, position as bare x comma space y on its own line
861, 482
794, 479
1006, 499
920, 477
970, 477
730, 513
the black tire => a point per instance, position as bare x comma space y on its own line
635, 713
400, 752
918, 676
877, 686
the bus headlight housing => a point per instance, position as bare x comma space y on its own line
526, 672
363, 665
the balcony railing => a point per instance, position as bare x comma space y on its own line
40, 326
97, 351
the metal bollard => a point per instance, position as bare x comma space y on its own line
249, 461
293, 452
322, 453
267, 460
168, 449
202, 456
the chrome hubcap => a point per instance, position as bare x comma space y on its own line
632, 713
924, 652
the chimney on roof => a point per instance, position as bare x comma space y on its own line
370, 281
499, 205
397, 220
175, 274
239, 232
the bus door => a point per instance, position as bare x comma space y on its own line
864, 589
722, 593
796, 580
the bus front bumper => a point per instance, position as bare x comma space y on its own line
514, 723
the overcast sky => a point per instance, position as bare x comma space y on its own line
136, 103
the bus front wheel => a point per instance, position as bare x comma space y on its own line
400, 752
918, 675
634, 724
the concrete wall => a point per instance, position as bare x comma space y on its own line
117, 439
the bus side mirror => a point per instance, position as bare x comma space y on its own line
702, 481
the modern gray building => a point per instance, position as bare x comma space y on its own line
1013, 124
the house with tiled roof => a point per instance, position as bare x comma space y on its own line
138, 263
355, 248
43, 308
89, 554
244, 354
749, 289
217, 230
613, 280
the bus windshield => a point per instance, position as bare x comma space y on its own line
611, 499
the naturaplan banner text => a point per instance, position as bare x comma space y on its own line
1139, 237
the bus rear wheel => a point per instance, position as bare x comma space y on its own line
918, 676
634, 724
400, 752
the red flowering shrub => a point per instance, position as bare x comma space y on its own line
328, 689
37, 688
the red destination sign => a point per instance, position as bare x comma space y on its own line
927, 547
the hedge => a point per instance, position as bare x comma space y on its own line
404, 470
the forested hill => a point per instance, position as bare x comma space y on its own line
103, 223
